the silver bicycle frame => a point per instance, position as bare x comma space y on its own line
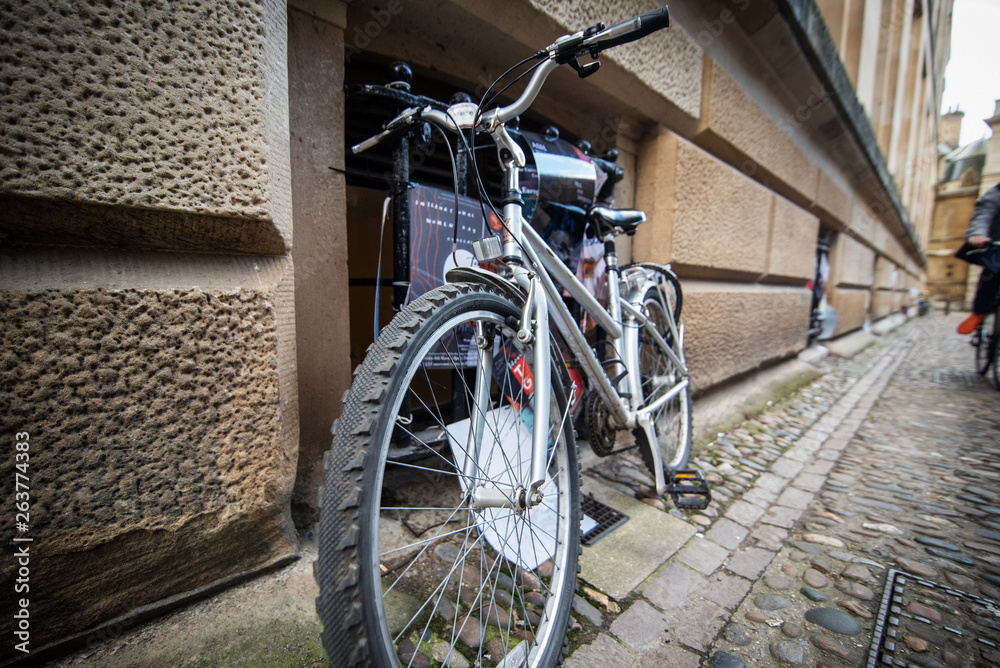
534, 274
546, 265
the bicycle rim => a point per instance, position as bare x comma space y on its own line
494, 586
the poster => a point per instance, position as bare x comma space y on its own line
432, 231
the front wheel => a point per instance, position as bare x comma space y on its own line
406, 564
659, 375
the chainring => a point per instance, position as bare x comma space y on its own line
602, 433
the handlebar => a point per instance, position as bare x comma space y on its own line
627, 31
566, 49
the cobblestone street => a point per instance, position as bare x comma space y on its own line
866, 506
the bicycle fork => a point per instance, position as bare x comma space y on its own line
533, 328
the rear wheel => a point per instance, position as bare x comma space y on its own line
406, 565
986, 343
659, 375
996, 348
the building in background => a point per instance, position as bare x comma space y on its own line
991, 170
965, 174
180, 228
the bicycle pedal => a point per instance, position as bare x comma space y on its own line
689, 490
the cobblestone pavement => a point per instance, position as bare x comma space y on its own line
864, 511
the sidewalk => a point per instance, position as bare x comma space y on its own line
885, 469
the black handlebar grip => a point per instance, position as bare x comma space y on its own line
648, 23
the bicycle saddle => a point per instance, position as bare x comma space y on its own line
621, 220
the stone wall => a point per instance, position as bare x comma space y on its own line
157, 459
741, 153
316, 123
852, 266
150, 110
714, 222
147, 292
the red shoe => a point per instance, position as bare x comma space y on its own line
968, 326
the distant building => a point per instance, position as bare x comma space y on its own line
965, 173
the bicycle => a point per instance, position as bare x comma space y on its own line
468, 551
986, 337
986, 341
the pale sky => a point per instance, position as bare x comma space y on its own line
972, 77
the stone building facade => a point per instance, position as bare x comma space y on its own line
175, 211
961, 169
965, 174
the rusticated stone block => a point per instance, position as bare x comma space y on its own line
885, 302
887, 275
667, 62
160, 455
794, 232
863, 222
732, 329
833, 200
735, 118
704, 216
852, 264
892, 248
316, 120
852, 306
146, 125
656, 194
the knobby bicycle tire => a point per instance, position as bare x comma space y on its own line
401, 572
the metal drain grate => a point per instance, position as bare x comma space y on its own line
969, 626
608, 519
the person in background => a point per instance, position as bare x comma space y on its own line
983, 233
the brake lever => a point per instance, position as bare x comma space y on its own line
565, 48
585, 70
